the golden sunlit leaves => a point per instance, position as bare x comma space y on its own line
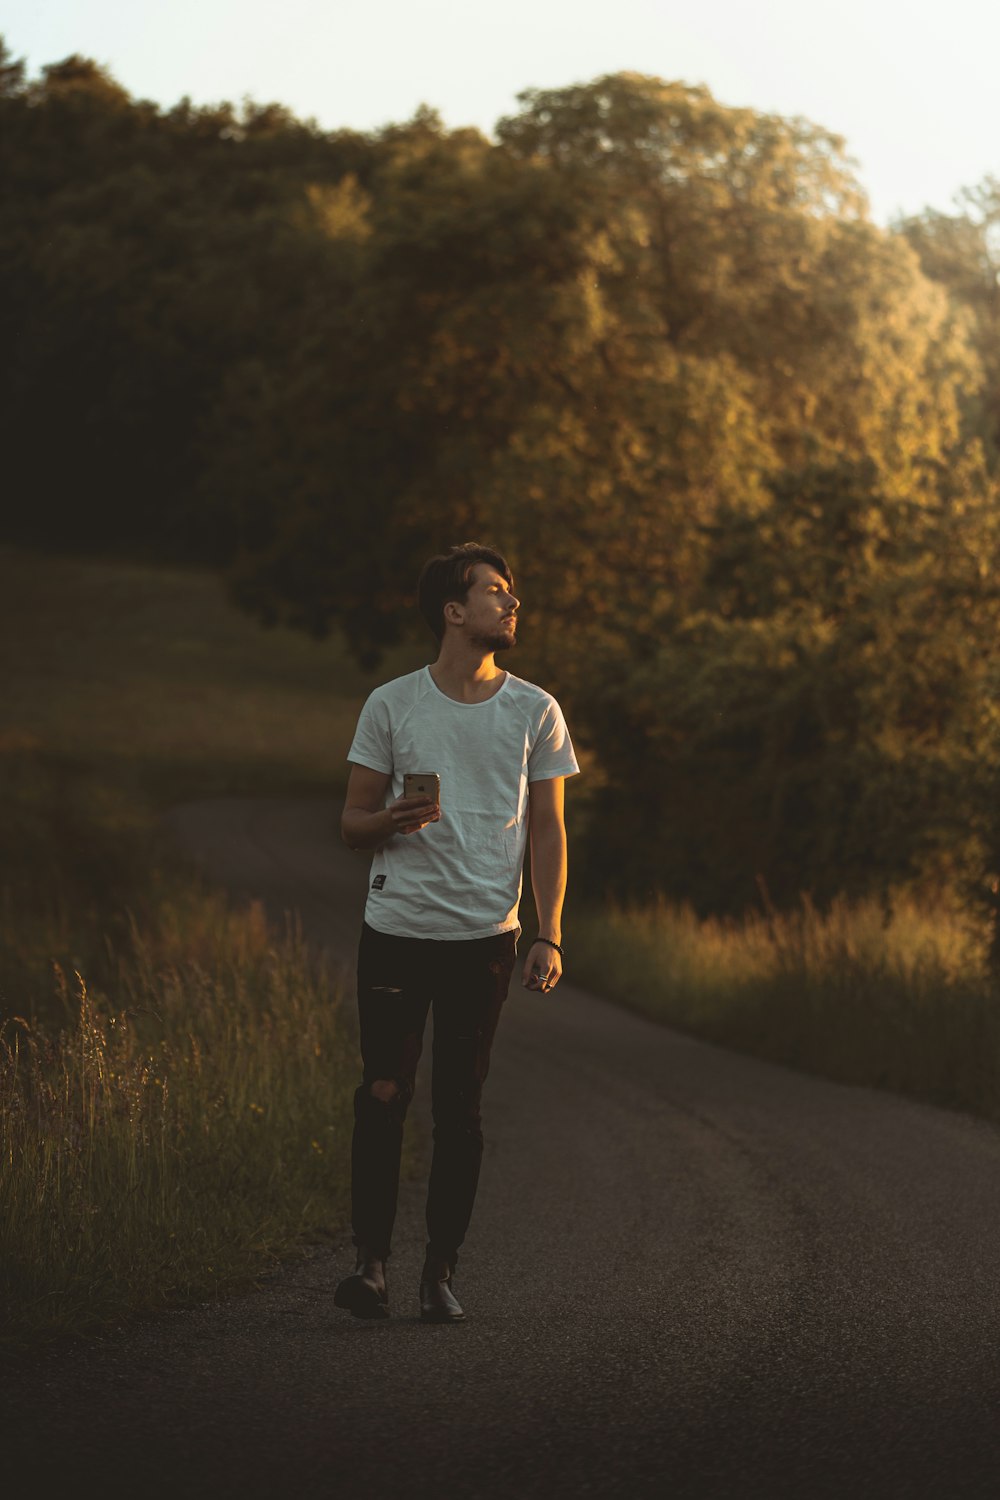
341, 209
735, 438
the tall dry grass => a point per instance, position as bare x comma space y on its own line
180, 1132
174, 1120
896, 997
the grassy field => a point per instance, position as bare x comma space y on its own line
127, 689
151, 678
175, 1077
186, 1128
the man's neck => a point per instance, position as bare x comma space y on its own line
467, 676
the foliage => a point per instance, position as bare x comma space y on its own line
739, 443
143, 254
824, 718
961, 251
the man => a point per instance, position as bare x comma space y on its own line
441, 922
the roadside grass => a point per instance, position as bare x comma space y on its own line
898, 999
173, 1130
175, 1077
184, 1130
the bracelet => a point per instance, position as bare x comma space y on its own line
557, 946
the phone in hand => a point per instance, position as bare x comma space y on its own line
422, 784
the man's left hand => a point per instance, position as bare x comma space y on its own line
542, 968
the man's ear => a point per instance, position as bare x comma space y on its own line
453, 612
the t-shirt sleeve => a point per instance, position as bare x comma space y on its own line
372, 743
552, 753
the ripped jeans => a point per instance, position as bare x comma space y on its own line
399, 979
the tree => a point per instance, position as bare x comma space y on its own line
12, 73
961, 252
144, 256
655, 348
650, 345
825, 718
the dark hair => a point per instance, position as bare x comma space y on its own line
448, 577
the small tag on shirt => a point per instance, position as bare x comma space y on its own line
378, 882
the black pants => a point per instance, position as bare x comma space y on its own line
399, 979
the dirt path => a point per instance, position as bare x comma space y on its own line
690, 1274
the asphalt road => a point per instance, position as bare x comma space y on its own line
689, 1274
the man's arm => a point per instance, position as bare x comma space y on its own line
547, 835
366, 824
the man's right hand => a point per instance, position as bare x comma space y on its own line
410, 814
367, 822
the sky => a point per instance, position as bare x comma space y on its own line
910, 84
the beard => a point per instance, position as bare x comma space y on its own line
499, 640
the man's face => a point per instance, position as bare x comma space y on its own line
490, 610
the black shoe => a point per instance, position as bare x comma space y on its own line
365, 1294
438, 1303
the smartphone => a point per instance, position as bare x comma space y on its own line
422, 784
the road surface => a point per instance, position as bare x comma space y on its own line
690, 1274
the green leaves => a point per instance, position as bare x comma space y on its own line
733, 436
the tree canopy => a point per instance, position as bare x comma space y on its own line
738, 442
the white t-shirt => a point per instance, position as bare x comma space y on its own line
460, 877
